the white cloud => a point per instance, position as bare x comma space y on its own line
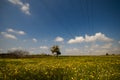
10, 30
90, 38
25, 7
16, 31
16, 2
76, 40
34, 40
7, 35
43, 47
97, 37
21, 32
59, 39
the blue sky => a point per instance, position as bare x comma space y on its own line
79, 27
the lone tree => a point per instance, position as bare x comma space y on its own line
55, 49
107, 54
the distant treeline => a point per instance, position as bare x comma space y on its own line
26, 54
20, 54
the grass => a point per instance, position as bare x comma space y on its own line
61, 68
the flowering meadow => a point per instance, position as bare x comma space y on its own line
61, 68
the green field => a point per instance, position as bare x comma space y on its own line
61, 68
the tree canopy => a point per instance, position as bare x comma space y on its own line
55, 49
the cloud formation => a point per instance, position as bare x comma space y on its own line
76, 40
119, 42
7, 35
16, 31
59, 39
73, 51
15, 48
92, 49
12, 34
43, 47
107, 46
97, 37
24, 7
1, 50
34, 40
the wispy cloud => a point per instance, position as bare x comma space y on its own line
24, 7
16, 48
73, 51
119, 42
1, 50
7, 35
97, 37
107, 46
43, 47
16, 31
12, 34
34, 40
59, 39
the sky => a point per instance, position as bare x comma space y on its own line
79, 27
